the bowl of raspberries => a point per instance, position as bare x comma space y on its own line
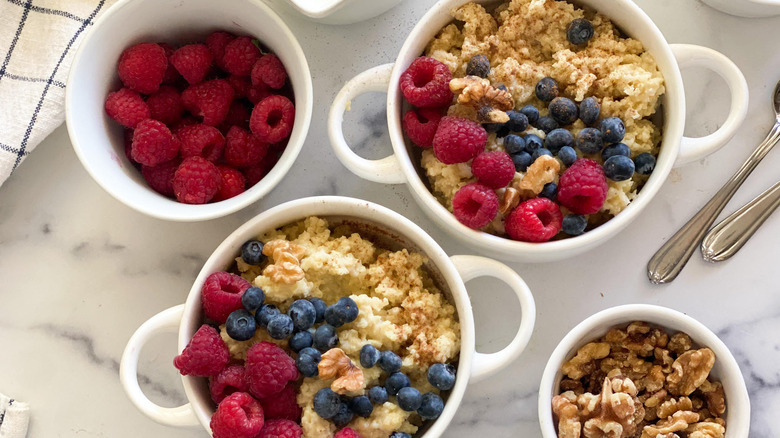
193, 112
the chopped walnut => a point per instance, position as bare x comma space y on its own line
629, 364
671, 406
572, 385
543, 171
680, 343
690, 370
654, 380
655, 400
613, 414
490, 102
569, 425
509, 201
287, 261
664, 358
715, 396
336, 364
706, 429
582, 363
639, 338
677, 422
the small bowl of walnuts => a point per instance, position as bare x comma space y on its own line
643, 371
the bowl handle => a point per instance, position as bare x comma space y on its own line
385, 171
165, 321
693, 149
486, 364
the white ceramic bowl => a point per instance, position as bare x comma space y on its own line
725, 370
98, 140
747, 8
341, 11
676, 149
382, 223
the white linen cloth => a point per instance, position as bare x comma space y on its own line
37, 42
14, 418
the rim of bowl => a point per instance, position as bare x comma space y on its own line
317, 8
737, 399
186, 212
345, 207
673, 127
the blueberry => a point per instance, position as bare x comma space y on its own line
325, 337
567, 155
303, 314
301, 340
252, 252
574, 224
377, 395
431, 406
313, 352
400, 435
547, 124
522, 161
493, 127
539, 152
531, 113
389, 361
615, 149
580, 31
252, 298
514, 144
326, 403
319, 307
532, 143
265, 314
547, 89
344, 311
518, 122
479, 65
307, 363
442, 376
613, 130
343, 416
280, 326
549, 191
241, 325
395, 382
558, 138
589, 141
564, 110
361, 406
369, 356
644, 163
590, 109
619, 168
409, 399
503, 131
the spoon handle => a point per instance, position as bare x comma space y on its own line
730, 236
671, 258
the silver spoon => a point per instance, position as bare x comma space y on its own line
732, 234
671, 258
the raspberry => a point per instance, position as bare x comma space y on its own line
221, 294
205, 355
233, 183
210, 100
165, 105
127, 107
258, 93
241, 85
201, 141
254, 174
238, 115
458, 140
193, 62
270, 71
347, 433
128, 141
494, 169
196, 181
243, 149
240, 56
185, 121
171, 75
475, 205
237, 416
420, 125
268, 369
153, 143
426, 83
583, 187
281, 429
534, 220
272, 119
282, 405
216, 43
160, 177
228, 381
142, 67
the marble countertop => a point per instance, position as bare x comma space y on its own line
81, 271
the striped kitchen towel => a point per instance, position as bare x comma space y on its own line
14, 417
37, 42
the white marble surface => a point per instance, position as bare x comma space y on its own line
79, 271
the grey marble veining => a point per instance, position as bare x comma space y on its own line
79, 271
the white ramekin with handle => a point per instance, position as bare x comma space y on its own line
340, 11
451, 273
676, 150
726, 369
747, 8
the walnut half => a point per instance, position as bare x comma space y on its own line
287, 261
490, 102
336, 364
690, 370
